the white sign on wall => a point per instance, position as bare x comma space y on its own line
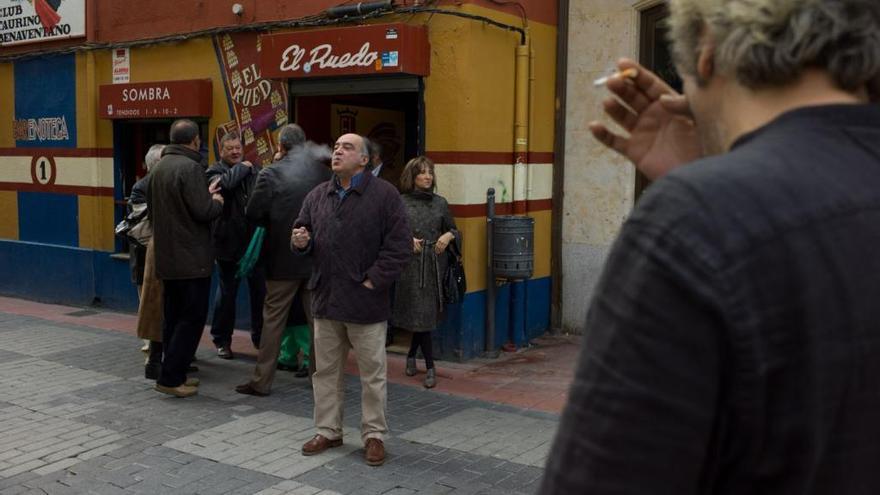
34, 21
121, 66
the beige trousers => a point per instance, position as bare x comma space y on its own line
333, 339
276, 308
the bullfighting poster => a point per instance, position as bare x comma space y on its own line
258, 106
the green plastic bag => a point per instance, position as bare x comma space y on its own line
247, 262
295, 338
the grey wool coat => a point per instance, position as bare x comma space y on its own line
418, 303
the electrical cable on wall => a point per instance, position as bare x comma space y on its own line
318, 20
522, 10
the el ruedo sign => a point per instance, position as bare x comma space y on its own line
372, 49
160, 99
33, 21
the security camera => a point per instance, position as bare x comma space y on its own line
237, 8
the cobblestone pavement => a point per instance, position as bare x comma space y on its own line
77, 416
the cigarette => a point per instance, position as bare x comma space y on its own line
630, 73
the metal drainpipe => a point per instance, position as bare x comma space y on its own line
521, 126
490, 273
521, 172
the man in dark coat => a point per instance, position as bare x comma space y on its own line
378, 169
181, 207
275, 204
355, 226
733, 345
232, 234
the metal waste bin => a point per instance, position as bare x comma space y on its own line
514, 246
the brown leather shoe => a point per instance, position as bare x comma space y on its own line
319, 444
249, 389
374, 452
178, 391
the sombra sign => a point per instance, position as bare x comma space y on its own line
372, 49
160, 99
34, 21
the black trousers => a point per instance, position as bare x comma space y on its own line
423, 340
185, 312
223, 321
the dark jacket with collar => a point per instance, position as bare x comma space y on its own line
181, 210
232, 232
364, 236
139, 191
388, 174
735, 327
276, 202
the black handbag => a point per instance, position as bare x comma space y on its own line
454, 283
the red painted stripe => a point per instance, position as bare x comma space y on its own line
541, 157
479, 210
485, 157
57, 189
59, 152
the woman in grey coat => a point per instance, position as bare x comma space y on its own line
418, 296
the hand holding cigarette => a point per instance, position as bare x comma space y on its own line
662, 132
630, 73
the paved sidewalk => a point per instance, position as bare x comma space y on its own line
536, 379
77, 416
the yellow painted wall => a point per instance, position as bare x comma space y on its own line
96, 222
469, 99
473, 82
91, 132
542, 242
7, 104
473, 234
544, 87
95, 213
9, 216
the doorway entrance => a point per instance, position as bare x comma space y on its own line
388, 111
131, 141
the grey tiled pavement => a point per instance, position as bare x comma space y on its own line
77, 416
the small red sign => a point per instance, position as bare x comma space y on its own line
372, 49
156, 100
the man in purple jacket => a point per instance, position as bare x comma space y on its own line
355, 226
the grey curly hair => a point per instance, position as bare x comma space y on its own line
766, 43
154, 154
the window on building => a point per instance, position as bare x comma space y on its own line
655, 54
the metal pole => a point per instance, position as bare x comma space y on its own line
490, 272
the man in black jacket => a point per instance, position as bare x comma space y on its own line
181, 207
275, 203
232, 234
733, 345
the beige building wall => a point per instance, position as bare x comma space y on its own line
599, 185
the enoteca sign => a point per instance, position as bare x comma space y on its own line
373, 49
34, 21
156, 100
